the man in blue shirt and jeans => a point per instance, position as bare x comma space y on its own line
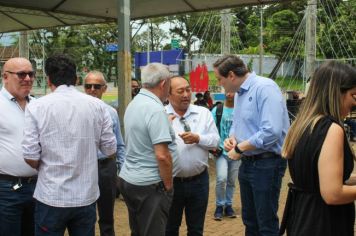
259, 127
95, 85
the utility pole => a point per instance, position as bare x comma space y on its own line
124, 58
261, 41
310, 41
23, 45
148, 42
225, 31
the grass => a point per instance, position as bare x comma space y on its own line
108, 97
288, 83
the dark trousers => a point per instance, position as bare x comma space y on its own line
260, 183
191, 197
16, 209
106, 202
52, 221
148, 208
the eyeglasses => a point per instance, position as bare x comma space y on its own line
185, 124
22, 74
96, 86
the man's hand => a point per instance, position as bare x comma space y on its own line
233, 155
189, 137
229, 144
168, 186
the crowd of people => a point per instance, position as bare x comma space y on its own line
63, 155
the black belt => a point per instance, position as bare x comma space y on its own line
17, 179
190, 178
264, 155
104, 160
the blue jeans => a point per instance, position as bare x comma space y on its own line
16, 209
226, 175
191, 197
260, 183
52, 221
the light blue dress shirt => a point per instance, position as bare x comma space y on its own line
120, 153
260, 115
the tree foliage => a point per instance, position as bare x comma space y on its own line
280, 29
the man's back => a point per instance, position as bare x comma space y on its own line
70, 126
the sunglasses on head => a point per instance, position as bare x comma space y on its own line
96, 86
22, 74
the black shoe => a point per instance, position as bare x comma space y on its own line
218, 215
229, 212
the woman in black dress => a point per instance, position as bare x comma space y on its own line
320, 158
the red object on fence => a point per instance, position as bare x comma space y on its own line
199, 78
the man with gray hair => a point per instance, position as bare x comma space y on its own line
146, 176
95, 85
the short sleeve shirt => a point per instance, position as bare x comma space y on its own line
146, 124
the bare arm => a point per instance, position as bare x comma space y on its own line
164, 160
331, 167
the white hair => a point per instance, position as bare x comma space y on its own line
154, 73
96, 73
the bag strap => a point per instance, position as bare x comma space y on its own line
218, 114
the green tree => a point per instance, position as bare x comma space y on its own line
336, 30
280, 30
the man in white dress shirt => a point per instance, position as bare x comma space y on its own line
196, 134
63, 131
17, 179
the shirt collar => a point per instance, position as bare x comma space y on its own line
191, 109
250, 80
148, 93
64, 88
9, 96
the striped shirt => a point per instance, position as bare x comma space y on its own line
63, 131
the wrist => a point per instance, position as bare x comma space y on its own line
198, 138
238, 150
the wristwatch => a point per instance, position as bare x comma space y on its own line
238, 150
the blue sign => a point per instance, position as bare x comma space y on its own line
167, 57
112, 47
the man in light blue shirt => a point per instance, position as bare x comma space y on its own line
259, 127
95, 85
146, 178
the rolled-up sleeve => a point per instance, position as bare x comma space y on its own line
31, 146
209, 138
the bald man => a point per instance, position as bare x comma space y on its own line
17, 179
95, 85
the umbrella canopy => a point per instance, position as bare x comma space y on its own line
18, 15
